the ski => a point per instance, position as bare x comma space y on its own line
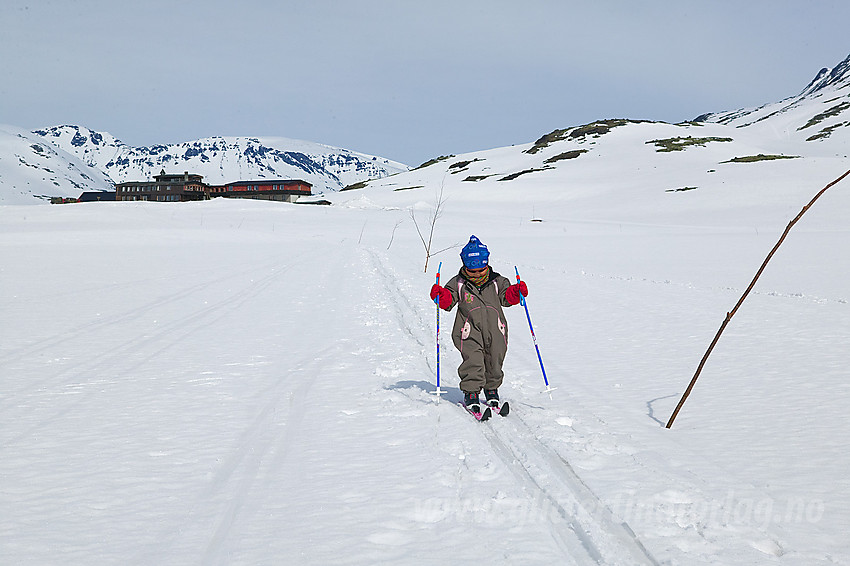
482, 416
501, 410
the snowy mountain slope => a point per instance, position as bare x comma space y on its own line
630, 172
820, 111
33, 171
223, 159
688, 170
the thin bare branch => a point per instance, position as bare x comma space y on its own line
456, 245
418, 231
435, 214
392, 236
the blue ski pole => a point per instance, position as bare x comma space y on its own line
438, 392
534, 338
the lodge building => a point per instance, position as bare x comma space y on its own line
186, 187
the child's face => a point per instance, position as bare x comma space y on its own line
478, 271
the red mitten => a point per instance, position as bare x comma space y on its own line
512, 295
445, 296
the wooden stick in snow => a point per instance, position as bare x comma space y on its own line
731, 313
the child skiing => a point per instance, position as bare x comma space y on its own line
480, 330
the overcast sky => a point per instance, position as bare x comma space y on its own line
407, 80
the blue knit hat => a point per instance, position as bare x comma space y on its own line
474, 254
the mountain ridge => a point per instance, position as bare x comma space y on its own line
222, 159
66, 160
828, 85
812, 124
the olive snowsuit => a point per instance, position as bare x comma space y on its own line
480, 330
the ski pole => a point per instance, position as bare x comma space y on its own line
438, 392
534, 337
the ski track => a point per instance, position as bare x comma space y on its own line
133, 354
544, 470
264, 443
132, 314
260, 449
401, 302
543, 473
205, 531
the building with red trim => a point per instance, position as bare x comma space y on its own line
286, 190
186, 187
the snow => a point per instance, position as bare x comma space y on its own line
32, 171
247, 382
239, 382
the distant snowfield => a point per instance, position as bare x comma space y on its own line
233, 382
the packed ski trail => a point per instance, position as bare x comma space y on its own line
546, 479
255, 385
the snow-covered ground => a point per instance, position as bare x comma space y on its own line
237, 382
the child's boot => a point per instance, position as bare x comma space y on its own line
471, 402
